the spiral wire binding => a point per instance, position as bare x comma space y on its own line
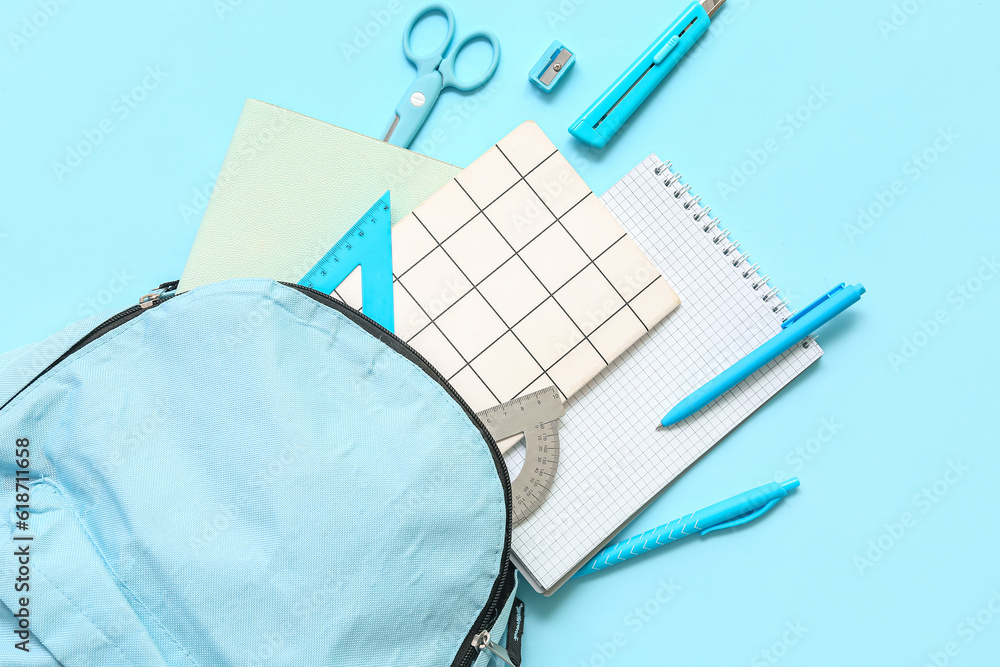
692, 202
751, 272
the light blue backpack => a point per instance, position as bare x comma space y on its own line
247, 474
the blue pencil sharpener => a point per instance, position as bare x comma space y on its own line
555, 62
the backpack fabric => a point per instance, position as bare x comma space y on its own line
246, 474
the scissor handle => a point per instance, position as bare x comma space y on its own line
429, 62
447, 66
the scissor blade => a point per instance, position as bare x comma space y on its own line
392, 128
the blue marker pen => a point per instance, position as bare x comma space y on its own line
607, 115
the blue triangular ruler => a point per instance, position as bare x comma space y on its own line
367, 244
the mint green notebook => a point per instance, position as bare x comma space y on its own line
290, 186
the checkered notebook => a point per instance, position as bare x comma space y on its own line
514, 277
612, 460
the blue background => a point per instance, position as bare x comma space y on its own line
906, 101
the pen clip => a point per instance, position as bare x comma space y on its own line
812, 306
740, 520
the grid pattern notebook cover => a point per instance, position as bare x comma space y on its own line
612, 461
514, 277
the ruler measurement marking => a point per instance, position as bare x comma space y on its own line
535, 417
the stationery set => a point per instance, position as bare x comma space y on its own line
396, 381
511, 276
526, 291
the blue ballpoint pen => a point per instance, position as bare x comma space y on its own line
794, 329
729, 513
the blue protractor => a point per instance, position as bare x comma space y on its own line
367, 244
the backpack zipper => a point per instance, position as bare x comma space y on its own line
482, 641
504, 585
156, 297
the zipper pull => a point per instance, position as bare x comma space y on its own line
482, 640
161, 293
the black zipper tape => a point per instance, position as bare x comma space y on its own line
105, 327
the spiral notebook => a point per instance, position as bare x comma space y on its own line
612, 461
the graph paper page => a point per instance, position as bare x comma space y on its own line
612, 460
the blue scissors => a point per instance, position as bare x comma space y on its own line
434, 73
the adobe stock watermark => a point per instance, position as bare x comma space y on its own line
966, 632
119, 282
913, 170
139, 438
562, 12
321, 600
48, 350
922, 502
899, 16
785, 128
243, 150
435, 485
596, 314
229, 512
799, 456
122, 107
584, 157
248, 325
451, 290
590, 493
634, 621
726, 17
223, 8
772, 655
455, 114
957, 299
721, 354
32, 24
370, 30
534, 213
